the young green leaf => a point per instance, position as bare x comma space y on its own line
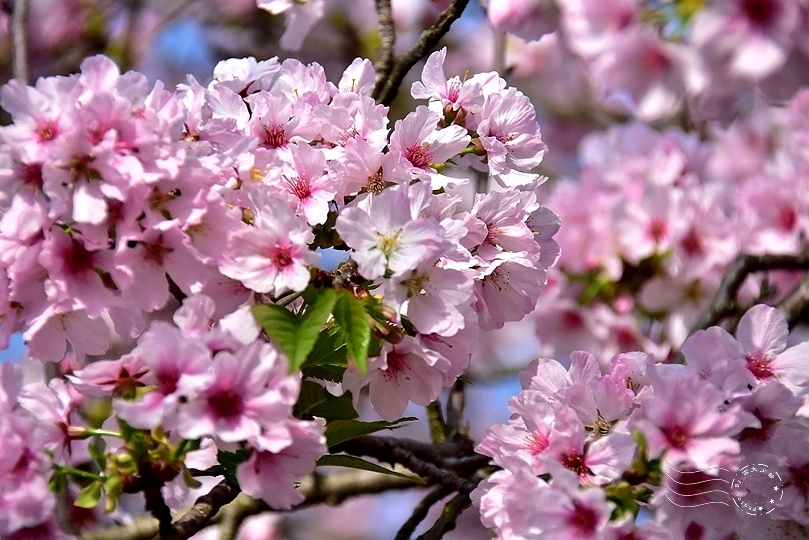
89, 496
296, 336
355, 327
326, 372
282, 327
230, 461
329, 349
314, 400
338, 431
313, 320
351, 462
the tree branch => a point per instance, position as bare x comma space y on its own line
151, 486
448, 518
420, 512
19, 39
387, 40
202, 512
724, 303
438, 428
401, 451
387, 88
332, 489
794, 307
457, 424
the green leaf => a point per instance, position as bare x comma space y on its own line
230, 461
282, 327
355, 327
330, 348
89, 496
352, 462
296, 336
57, 482
315, 400
97, 455
338, 431
313, 320
327, 372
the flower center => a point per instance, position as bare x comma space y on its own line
274, 137
657, 230
575, 462
583, 520
537, 443
420, 156
227, 404
760, 12
299, 187
760, 366
47, 131
388, 243
676, 435
281, 257
454, 89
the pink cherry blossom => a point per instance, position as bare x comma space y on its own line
442, 92
273, 256
511, 137
698, 431
240, 397
387, 235
419, 140
402, 373
270, 476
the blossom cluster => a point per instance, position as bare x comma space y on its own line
120, 202
585, 446
654, 59
29, 507
667, 214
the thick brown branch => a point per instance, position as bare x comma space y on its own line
387, 40
724, 303
19, 39
387, 88
151, 486
426, 463
198, 517
331, 489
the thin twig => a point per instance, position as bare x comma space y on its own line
420, 512
216, 470
438, 429
387, 40
19, 38
134, 9
724, 303
500, 46
387, 88
448, 518
794, 307
457, 424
